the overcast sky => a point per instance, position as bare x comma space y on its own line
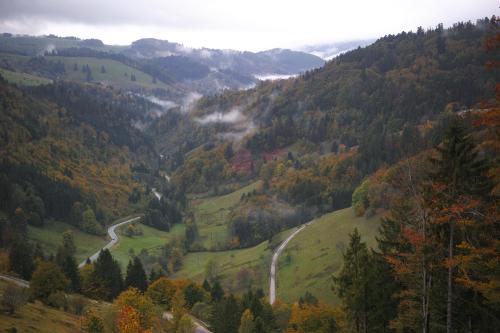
244, 25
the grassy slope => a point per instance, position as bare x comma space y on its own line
50, 238
315, 254
255, 259
115, 71
34, 45
23, 79
211, 214
152, 239
36, 317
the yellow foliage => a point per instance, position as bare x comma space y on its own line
132, 297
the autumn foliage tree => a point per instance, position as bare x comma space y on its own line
135, 307
317, 318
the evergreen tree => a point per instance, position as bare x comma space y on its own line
66, 261
21, 258
191, 233
459, 165
155, 274
88, 76
226, 315
106, 276
460, 175
70, 269
38, 252
193, 293
217, 293
136, 276
352, 283
206, 285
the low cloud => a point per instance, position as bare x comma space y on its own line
232, 117
49, 49
165, 104
273, 77
237, 136
241, 126
189, 101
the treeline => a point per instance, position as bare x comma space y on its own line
436, 266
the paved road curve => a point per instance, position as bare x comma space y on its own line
20, 282
199, 326
156, 193
274, 262
112, 242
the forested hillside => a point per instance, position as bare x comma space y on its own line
379, 98
69, 149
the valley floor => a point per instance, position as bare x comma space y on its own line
306, 264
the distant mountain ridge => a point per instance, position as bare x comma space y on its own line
328, 51
204, 70
275, 61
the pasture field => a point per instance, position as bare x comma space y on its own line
237, 269
152, 239
50, 238
315, 254
23, 79
211, 215
106, 71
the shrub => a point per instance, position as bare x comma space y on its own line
13, 298
77, 304
46, 280
92, 322
202, 311
57, 300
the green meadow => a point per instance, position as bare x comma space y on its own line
315, 254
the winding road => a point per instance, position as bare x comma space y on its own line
198, 325
114, 239
19, 282
156, 193
274, 262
